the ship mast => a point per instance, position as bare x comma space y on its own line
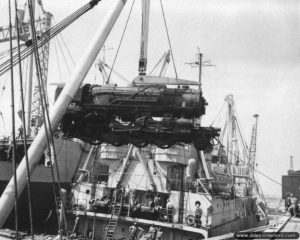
144, 37
252, 151
232, 140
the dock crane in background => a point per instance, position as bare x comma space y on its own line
252, 161
252, 150
43, 24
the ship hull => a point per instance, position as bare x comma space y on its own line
70, 157
43, 207
90, 222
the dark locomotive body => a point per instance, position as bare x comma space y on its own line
137, 114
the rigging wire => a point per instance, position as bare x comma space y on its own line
47, 123
58, 65
24, 124
169, 41
159, 61
238, 122
123, 33
68, 51
266, 176
218, 114
26, 77
41, 92
45, 37
13, 124
67, 65
243, 140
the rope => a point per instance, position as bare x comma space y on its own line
157, 63
163, 12
218, 114
13, 125
58, 65
124, 30
24, 125
238, 121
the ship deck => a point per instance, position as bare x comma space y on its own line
177, 226
293, 225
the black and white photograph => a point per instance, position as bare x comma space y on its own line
149, 119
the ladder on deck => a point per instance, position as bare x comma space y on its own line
115, 213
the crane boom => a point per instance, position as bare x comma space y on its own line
42, 25
252, 150
36, 113
144, 37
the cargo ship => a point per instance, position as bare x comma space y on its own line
123, 186
154, 168
152, 163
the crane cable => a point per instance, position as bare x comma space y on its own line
159, 61
169, 41
62, 53
123, 33
45, 37
24, 124
58, 64
68, 51
13, 124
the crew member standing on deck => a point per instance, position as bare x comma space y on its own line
287, 201
156, 201
133, 230
170, 210
198, 214
153, 232
293, 208
20, 132
127, 194
159, 234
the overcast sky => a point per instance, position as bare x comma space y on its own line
253, 43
